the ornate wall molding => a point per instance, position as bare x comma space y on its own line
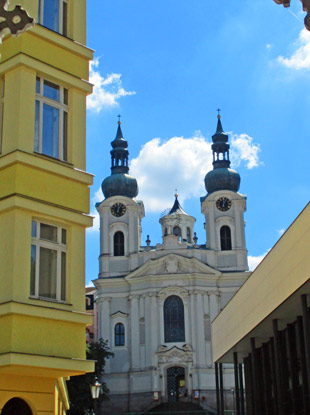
305, 7
13, 21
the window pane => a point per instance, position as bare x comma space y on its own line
63, 236
65, 96
51, 14
65, 137
50, 133
34, 229
48, 232
33, 270
63, 276
51, 91
48, 273
65, 19
37, 127
38, 85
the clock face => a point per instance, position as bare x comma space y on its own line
223, 204
118, 209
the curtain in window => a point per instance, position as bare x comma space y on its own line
174, 319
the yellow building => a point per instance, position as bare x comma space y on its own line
266, 327
44, 202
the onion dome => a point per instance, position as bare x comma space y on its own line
120, 183
222, 177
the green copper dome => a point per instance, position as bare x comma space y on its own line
222, 177
120, 183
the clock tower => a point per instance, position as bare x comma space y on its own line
120, 213
224, 208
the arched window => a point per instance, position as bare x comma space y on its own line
225, 238
174, 319
119, 334
119, 249
188, 234
166, 232
16, 406
177, 232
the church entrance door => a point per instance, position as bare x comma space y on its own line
175, 383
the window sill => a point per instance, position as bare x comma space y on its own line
49, 300
51, 158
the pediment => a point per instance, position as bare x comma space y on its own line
175, 354
173, 264
118, 314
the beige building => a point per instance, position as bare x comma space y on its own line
155, 302
266, 327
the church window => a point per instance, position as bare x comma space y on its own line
177, 232
174, 319
225, 234
142, 331
119, 246
166, 232
48, 261
51, 119
188, 235
53, 14
119, 334
207, 327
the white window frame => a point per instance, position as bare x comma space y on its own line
57, 246
63, 108
60, 17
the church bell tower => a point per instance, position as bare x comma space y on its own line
224, 207
120, 213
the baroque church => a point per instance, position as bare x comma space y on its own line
155, 304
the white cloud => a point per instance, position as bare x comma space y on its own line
243, 149
161, 167
300, 59
98, 197
281, 231
107, 90
255, 260
182, 163
268, 46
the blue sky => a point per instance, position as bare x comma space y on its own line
166, 66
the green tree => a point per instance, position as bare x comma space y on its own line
81, 402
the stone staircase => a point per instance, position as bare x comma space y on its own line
178, 408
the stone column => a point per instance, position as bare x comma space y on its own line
208, 342
192, 322
148, 332
104, 326
187, 323
134, 331
154, 324
200, 337
214, 298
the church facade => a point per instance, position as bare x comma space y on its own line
155, 304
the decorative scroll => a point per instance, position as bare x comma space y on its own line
305, 6
13, 21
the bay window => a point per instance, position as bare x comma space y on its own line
53, 14
48, 261
51, 119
